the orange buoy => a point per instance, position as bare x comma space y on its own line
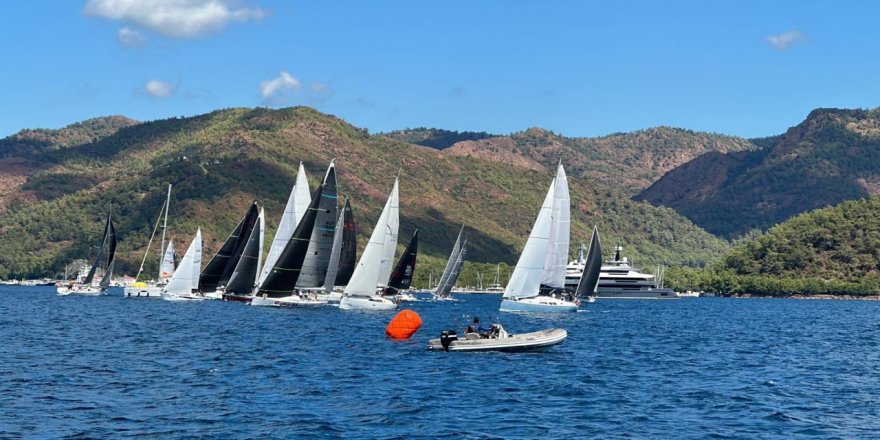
403, 325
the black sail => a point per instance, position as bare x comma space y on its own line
111, 254
281, 280
348, 258
91, 275
245, 275
590, 278
216, 273
402, 276
314, 268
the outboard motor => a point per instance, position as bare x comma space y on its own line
446, 338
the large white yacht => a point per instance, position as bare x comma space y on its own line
618, 279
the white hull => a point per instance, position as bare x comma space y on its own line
288, 301
404, 296
80, 290
216, 295
505, 342
539, 304
182, 296
443, 298
333, 297
142, 292
366, 303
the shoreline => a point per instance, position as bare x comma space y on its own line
818, 296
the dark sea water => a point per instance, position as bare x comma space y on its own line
110, 367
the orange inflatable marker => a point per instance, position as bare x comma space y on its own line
403, 325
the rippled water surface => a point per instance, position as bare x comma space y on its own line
111, 367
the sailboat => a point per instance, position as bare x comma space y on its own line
218, 271
495, 287
278, 289
538, 280
153, 289
184, 283
374, 268
452, 270
313, 274
244, 277
402, 276
86, 287
590, 279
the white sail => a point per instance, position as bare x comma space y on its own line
560, 231
167, 268
366, 274
525, 281
303, 196
297, 203
186, 278
391, 229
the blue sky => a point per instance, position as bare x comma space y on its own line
580, 68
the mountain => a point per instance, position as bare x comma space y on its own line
834, 155
32, 141
629, 161
219, 162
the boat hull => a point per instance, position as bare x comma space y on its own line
333, 297
182, 296
154, 292
81, 291
366, 303
538, 304
294, 301
512, 343
237, 298
660, 293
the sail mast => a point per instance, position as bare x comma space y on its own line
164, 228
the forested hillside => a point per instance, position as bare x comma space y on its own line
221, 161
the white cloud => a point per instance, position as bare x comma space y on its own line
785, 39
270, 88
159, 89
175, 18
129, 37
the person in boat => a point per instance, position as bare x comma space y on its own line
475, 327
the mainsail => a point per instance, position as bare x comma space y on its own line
391, 227
282, 278
592, 268
297, 203
557, 249
453, 267
220, 268
525, 281
365, 278
314, 268
348, 253
335, 252
91, 275
244, 277
111, 254
401, 277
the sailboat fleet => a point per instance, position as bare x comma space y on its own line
312, 258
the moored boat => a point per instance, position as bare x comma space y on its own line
498, 340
